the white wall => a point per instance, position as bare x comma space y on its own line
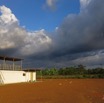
7, 76
34, 76
28, 76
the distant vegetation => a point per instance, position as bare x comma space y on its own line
71, 72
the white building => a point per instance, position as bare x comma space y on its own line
14, 73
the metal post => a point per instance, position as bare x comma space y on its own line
13, 64
21, 64
4, 64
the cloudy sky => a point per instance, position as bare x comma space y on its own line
53, 33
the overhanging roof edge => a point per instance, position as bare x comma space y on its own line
10, 58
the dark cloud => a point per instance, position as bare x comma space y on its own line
79, 39
83, 32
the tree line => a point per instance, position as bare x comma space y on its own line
72, 72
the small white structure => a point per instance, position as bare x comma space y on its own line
13, 73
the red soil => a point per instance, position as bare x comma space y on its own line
54, 91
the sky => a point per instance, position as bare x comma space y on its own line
39, 14
53, 33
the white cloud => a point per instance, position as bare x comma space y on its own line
51, 3
36, 42
7, 15
84, 3
13, 36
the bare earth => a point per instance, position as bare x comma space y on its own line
54, 91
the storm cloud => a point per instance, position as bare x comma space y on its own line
84, 31
81, 35
78, 40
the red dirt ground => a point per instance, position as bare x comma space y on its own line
54, 91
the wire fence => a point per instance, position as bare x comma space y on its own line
10, 67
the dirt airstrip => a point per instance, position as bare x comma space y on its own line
54, 91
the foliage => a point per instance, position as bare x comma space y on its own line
72, 72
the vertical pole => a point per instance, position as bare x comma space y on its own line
4, 64
13, 64
21, 64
